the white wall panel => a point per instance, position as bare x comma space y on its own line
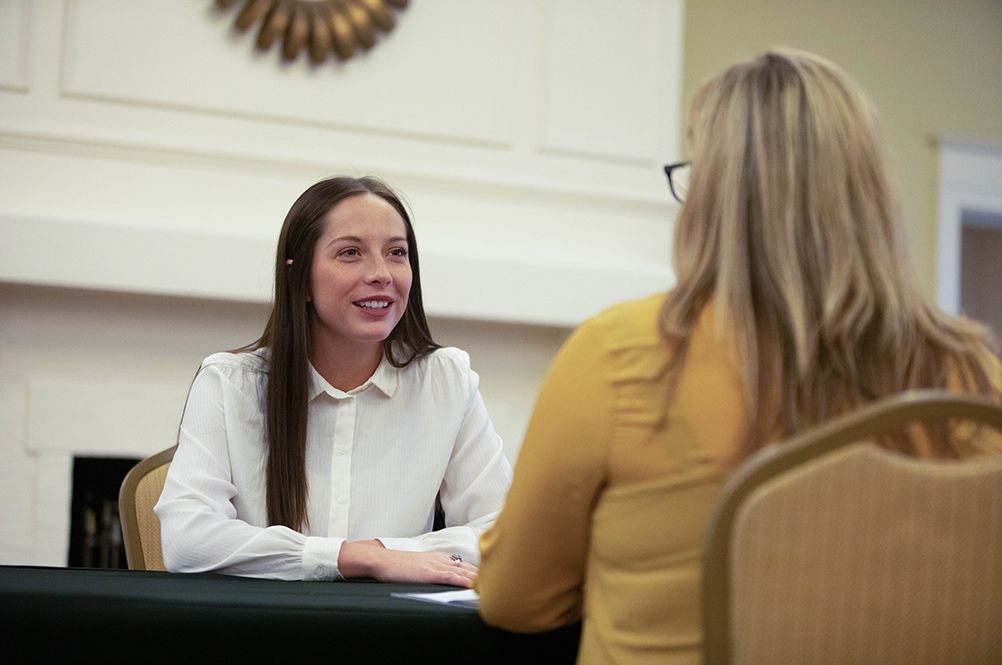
15, 23
439, 74
612, 75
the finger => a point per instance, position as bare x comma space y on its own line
467, 571
463, 579
452, 575
460, 569
459, 563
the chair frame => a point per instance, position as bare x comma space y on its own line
127, 506
894, 411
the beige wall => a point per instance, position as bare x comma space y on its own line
932, 67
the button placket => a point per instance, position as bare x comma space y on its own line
344, 432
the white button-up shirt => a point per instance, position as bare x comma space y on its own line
376, 457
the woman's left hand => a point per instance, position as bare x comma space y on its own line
369, 558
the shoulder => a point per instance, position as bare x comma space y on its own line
635, 320
245, 361
227, 393
621, 342
446, 370
447, 358
244, 370
631, 324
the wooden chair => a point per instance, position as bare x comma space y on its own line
829, 549
140, 525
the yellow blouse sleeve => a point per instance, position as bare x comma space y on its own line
533, 559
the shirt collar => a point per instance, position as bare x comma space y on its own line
384, 378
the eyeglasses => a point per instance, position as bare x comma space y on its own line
678, 179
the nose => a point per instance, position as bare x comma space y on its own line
379, 272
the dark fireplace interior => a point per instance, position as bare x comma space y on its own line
95, 527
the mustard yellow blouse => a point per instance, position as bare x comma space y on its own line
607, 511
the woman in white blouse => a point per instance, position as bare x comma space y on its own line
317, 452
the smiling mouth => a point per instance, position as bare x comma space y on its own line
373, 304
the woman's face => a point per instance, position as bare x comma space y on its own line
361, 274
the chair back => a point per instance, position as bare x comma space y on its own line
140, 525
829, 549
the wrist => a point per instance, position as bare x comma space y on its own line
358, 558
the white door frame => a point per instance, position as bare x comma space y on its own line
970, 178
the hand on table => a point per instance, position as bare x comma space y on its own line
368, 558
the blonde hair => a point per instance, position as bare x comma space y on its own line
790, 228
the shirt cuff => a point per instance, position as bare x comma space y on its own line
402, 544
320, 559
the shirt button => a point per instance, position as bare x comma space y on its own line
321, 570
340, 499
341, 451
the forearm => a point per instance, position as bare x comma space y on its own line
197, 540
356, 558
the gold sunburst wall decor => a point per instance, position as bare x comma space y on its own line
323, 27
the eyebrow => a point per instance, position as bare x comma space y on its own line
359, 240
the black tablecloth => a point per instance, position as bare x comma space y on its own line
86, 615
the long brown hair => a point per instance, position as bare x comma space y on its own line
791, 229
288, 336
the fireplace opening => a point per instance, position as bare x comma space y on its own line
95, 527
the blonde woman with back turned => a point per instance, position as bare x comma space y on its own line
795, 303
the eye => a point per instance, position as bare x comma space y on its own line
399, 251
349, 252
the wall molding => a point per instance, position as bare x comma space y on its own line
286, 120
94, 254
508, 182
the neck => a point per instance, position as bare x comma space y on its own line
346, 366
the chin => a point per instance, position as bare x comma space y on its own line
374, 336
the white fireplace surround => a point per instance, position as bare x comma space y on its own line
105, 374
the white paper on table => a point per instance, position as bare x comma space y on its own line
462, 598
